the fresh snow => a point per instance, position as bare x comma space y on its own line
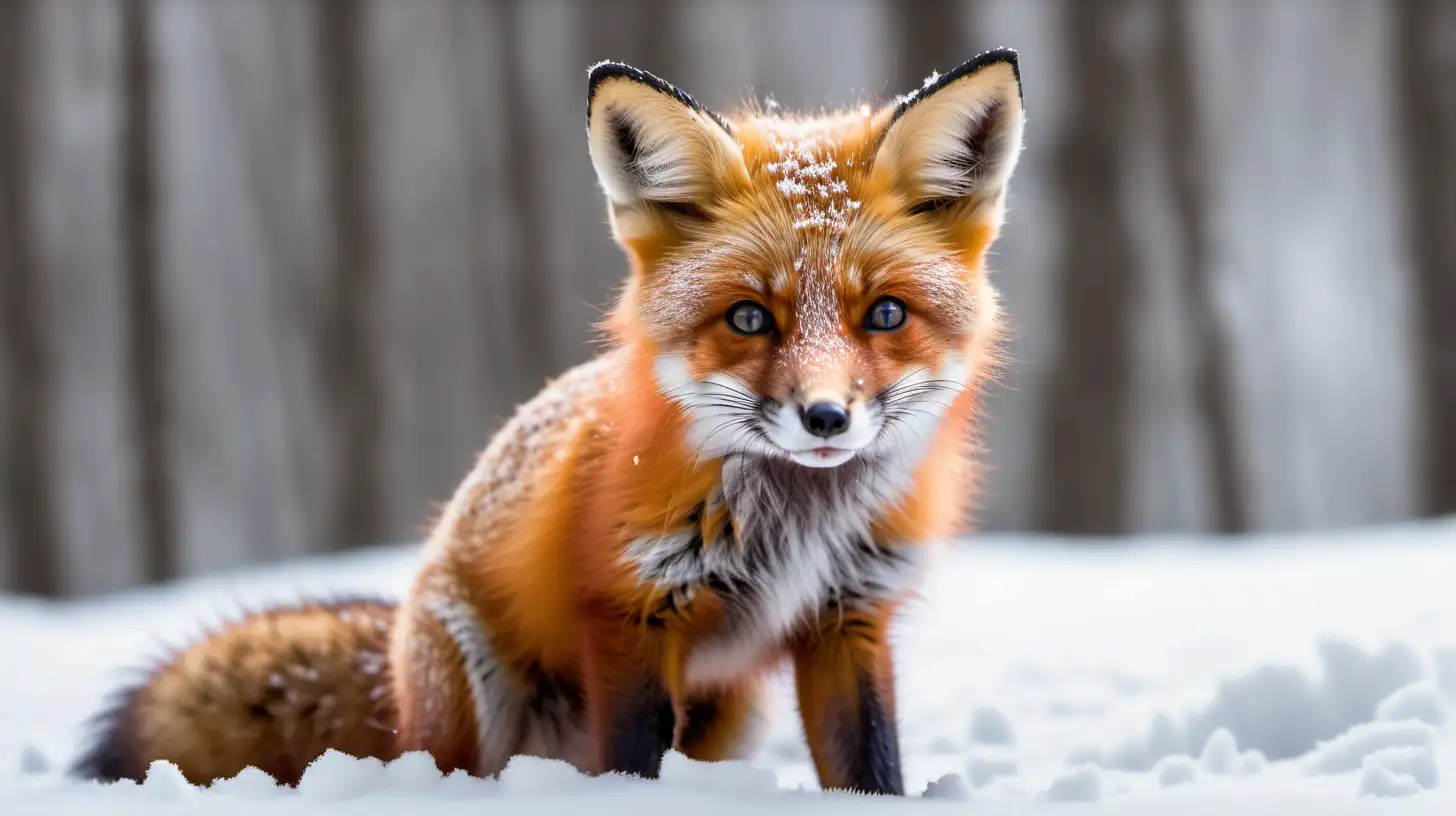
1278, 675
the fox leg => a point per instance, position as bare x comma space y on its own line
456, 700
844, 674
724, 723
629, 708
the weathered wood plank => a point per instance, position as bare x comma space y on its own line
1313, 282
1423, 41
465, 307
1024, 266
243, 206
1187, 171
149, 352
346, 340
1166, 460
1086, 464
28, 518
78, 181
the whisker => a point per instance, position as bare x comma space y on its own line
897, 383
917, 389
719, 404
738, 422
737, 388
920, 401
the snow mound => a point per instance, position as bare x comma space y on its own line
1417, 763
527, 776
1387, 784
1081, 784
414, 771
1176, 770
1393, 772
991, 727
1221, 755
1418, 701
164, 781
1349, 750
32, 760
251, 783
337, 777
951, 786
1279, 710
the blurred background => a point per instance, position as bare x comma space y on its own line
272, 272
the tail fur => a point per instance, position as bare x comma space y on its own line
273, 690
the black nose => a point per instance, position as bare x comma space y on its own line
825, 419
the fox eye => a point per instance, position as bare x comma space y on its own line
747, 317
887, 314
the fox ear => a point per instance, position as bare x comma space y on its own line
651, 143
956, 139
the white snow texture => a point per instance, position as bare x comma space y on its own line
1312, 674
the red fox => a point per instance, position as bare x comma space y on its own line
756, 471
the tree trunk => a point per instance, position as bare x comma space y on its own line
1085, 469
1425, 77
26, 384
347, 345
1212, 378
148, 336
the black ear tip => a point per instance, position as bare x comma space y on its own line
607, 69
1007, 56
1010, 56
610, 69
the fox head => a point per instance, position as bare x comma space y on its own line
810, 289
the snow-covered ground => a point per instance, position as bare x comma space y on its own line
1312, 674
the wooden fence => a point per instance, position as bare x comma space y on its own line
271, 272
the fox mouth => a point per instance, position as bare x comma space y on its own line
824, 456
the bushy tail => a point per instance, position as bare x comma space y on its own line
273, 690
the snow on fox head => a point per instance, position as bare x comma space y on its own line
812, 288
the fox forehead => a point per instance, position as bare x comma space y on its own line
807, 179
810, 164
810, 229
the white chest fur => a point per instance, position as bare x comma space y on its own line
800, 540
